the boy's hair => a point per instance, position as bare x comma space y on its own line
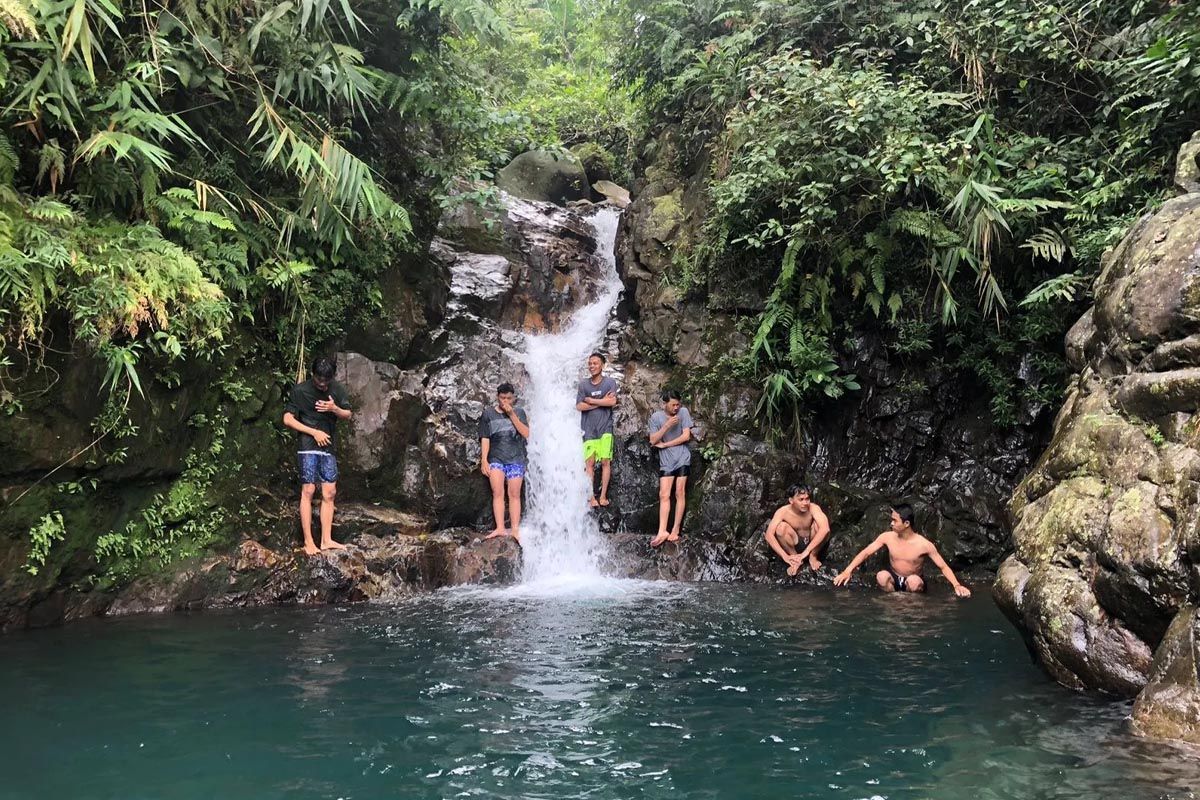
603, 360
324, 368
671, 394
799, 488
905, 512
505, 388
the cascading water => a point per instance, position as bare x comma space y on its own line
561, 541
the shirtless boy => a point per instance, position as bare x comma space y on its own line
800, 523
907, 551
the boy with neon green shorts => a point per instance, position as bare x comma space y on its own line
595, 399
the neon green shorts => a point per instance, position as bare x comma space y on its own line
600, 449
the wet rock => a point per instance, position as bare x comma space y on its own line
1103, 582
1187, 166
544, 177
1169, 706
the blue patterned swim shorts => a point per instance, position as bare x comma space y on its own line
317, 467
510, 470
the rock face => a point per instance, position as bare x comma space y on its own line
414, 438
928, 439
1106, 573
544, 177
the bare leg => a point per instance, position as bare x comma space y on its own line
514, 506
884, 579
328, 492
914, 583
680, 504
664, 510
605, 475
496, 481
589, 467
306, 495
789, 540
815, 563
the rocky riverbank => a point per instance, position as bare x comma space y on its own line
1105, 580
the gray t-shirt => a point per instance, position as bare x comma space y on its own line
506, 446
595, 421
672, 458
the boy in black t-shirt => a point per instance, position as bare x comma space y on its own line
313, 410
503, 430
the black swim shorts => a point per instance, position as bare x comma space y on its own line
682, 472
900, 581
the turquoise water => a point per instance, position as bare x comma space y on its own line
639, 690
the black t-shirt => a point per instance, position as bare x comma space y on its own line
505, 445
303, 406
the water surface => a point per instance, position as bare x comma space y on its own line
623, 690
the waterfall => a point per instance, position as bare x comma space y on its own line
561, 541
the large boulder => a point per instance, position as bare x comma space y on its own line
1106, 574
544, 177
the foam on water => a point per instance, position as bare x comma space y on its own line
563, 548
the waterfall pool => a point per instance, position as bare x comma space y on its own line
614, 689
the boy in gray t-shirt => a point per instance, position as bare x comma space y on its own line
595, 399
670, 430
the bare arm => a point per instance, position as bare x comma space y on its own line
868, 551
941, 564
290, 421
820, 531
773, 540
656, 437
583, 405
521, 427
485, 446
686, 436
334, 408
608, 401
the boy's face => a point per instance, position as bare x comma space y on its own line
321, 384
801, 501
672, 407
898, 525
595, 366
506, 400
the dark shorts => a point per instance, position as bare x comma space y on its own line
682, 472
510, 470
900, 582
317, 467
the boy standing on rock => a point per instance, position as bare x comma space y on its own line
313, 410
907, 551
670, 431
595, 399
800, 521
503, 430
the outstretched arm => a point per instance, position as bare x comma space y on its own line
937, 559
773, 540
819, 534
874, 547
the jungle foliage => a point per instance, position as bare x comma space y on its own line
949, 168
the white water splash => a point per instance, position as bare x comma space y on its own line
562, 544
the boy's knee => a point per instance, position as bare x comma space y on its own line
328, 491
883, 578
681, 491
914, 584
308, 490
514, 492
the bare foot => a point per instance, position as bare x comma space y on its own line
516, 534
593, 503
674, 537
816, 565
793, 569
603, 501
496, 533
311, 549
659, 539
332, 545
